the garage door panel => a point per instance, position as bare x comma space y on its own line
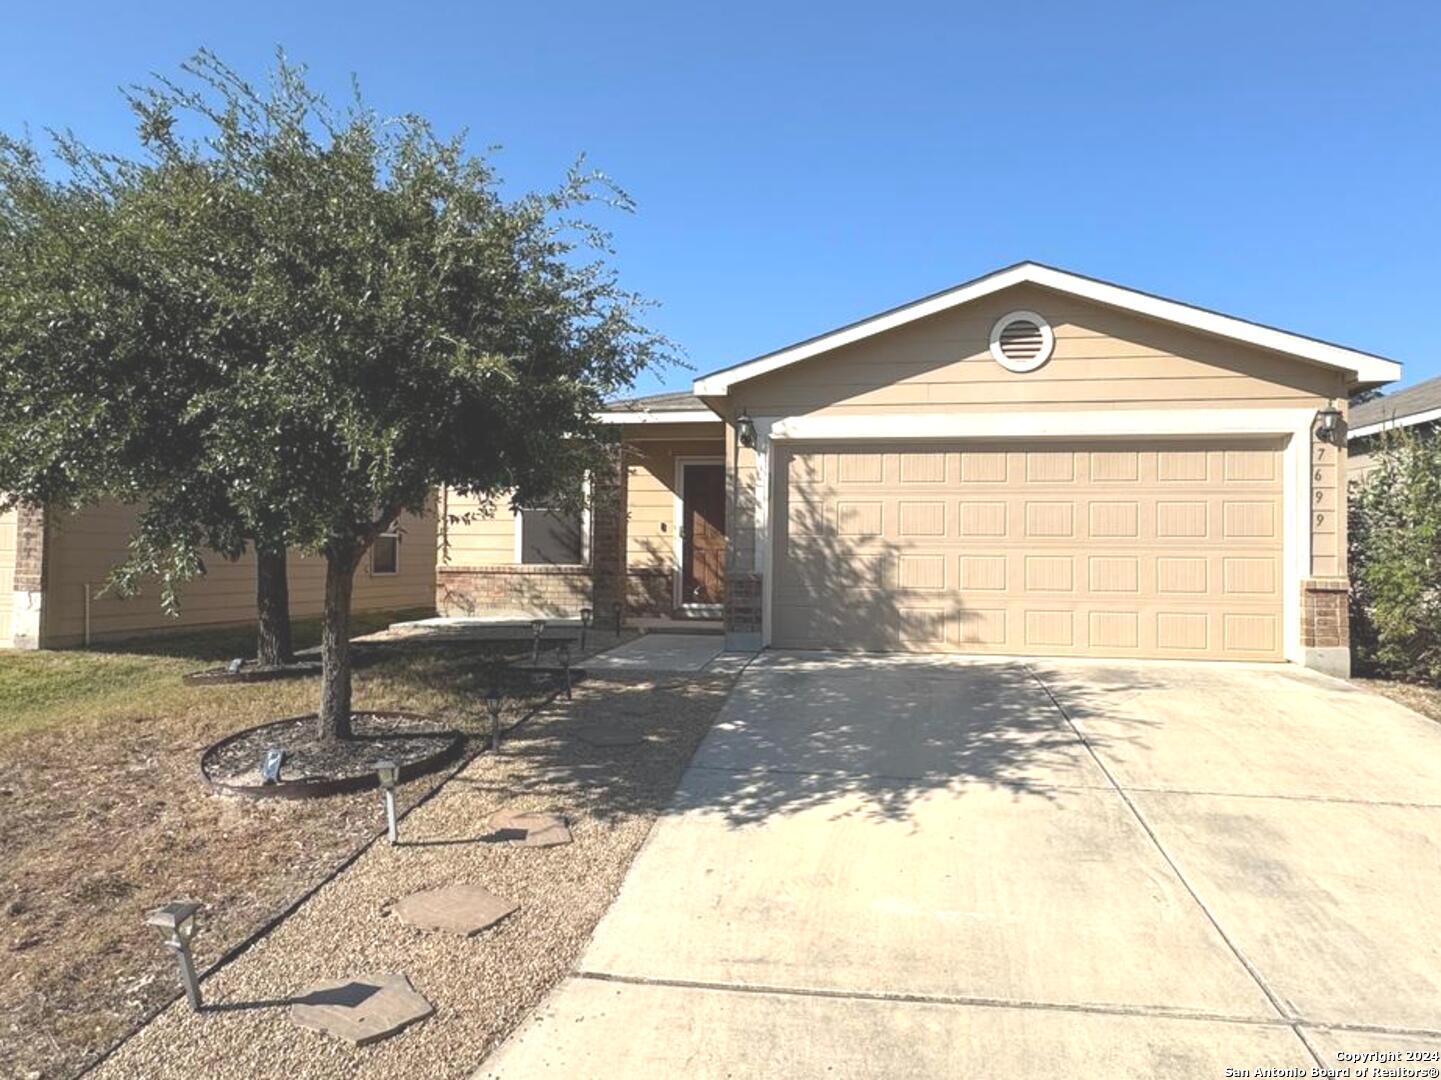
1117, 549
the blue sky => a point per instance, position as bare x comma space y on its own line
797, 167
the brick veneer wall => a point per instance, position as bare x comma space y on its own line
650, 591
29, 587
1325, 613
512, 588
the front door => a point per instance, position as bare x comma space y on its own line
703, 536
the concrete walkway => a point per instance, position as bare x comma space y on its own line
925, 866
661, 653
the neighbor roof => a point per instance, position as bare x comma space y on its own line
1417, 404
1364, 368
668, 408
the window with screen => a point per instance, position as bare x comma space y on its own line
385, 554
551, 537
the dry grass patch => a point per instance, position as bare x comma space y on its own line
102, 817
482, 986
1425, 700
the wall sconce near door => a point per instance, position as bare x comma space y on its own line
746, 430
1328, 422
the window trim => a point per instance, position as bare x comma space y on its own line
389, 534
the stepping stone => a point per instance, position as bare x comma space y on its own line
611, 735
459, 909
527, 828
361, 1010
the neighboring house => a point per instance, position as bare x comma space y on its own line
1416, 407
1033, 463
53, 568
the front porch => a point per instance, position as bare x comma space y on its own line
653, 536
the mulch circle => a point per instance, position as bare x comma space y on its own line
313, 768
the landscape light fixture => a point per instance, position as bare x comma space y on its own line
537, 627
586, 614
177, 922
493, 701
617, 609
563, 649
388, 773
746, 430
1328, 420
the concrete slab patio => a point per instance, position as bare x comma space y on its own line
934, 866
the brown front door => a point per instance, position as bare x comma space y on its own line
703, 547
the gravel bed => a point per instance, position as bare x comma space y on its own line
481, 987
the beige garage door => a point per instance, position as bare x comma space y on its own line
1158, 549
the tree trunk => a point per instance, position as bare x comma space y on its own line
335, 648
272, 605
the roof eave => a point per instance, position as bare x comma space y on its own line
1363, 369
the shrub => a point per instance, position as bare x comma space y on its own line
1395, 549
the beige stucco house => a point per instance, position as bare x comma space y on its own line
1033, 463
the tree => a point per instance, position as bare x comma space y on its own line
1395, 556
403, 325
97, 307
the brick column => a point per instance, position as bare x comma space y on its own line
608, 537
745, 583
1326, 625
29, 599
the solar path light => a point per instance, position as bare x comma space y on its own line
388, 773
177, 922
586, 614
617, 609
563, 651
493, 701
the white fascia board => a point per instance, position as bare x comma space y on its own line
1364, 367
1394, 422
686, 416
1040, 425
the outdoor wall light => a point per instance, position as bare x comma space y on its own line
1328, 420
746, 430
388, 773
493, 702
537, 627
177, 922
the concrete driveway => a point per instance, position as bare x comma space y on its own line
923, 866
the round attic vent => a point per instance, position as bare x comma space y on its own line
1022, 341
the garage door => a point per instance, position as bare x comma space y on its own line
1158, 549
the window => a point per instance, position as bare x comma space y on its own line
385, 554
550, 537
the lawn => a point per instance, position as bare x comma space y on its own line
104, 818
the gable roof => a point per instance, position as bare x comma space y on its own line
1364, 368
667, 408
1417, 404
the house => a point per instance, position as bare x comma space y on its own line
53, 568
1416, 407
1033, 462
